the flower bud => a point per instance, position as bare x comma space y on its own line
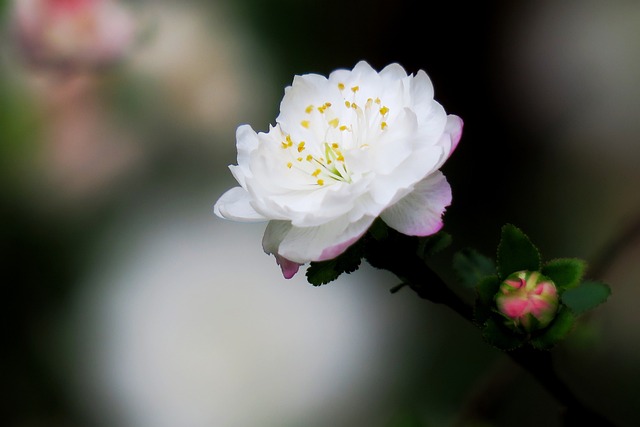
528, 300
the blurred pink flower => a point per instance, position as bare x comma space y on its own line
72, 33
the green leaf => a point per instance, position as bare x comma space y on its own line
471, 266
516, 252
320, 273
431, 245
500, 336
485, 291
556, 331
565, 272
586, 296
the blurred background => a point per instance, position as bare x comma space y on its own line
129, 304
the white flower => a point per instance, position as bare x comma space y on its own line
344, 151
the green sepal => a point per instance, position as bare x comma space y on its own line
500, 336
556, 331
322, 272
516, 252
566, 273
431, 245
471, 266
586, 296
486, 290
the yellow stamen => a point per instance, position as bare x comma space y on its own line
316, 172
384, 110
309, 158
299, 159
348, 104
354, 89
289, 165
377, 101
341, 86
343, 127
301, 147
320, 182
334, 122
334, 145
305, 124
383, 125
309, 109
340, 158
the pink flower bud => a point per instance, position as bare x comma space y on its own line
528, 300
72, 33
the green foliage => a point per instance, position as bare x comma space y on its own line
431, 245
516, 252
556, 331
471, 266
586, 296
320, 273
566, 273
495, 333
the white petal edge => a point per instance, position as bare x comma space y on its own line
419, 213
235, 205
321, 243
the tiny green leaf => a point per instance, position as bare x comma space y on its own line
501, 337
378, 230
565, 272
486, 291
556, 331
586, 296
516, 252
471, 266
320, 273
431, 245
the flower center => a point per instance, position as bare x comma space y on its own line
339, 132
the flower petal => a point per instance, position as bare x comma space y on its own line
305, 244
420, 212
235, 204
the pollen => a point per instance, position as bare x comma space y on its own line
299, 159
301, 147
334, 122
289, 141
289, 165
384, 110
309, 157
320, 182
316, 172
377, 101
341, 86
383, 125
354, 106
309, 109
305, 124
340, 158
347, 104
334, 145
354, 89
343, 128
